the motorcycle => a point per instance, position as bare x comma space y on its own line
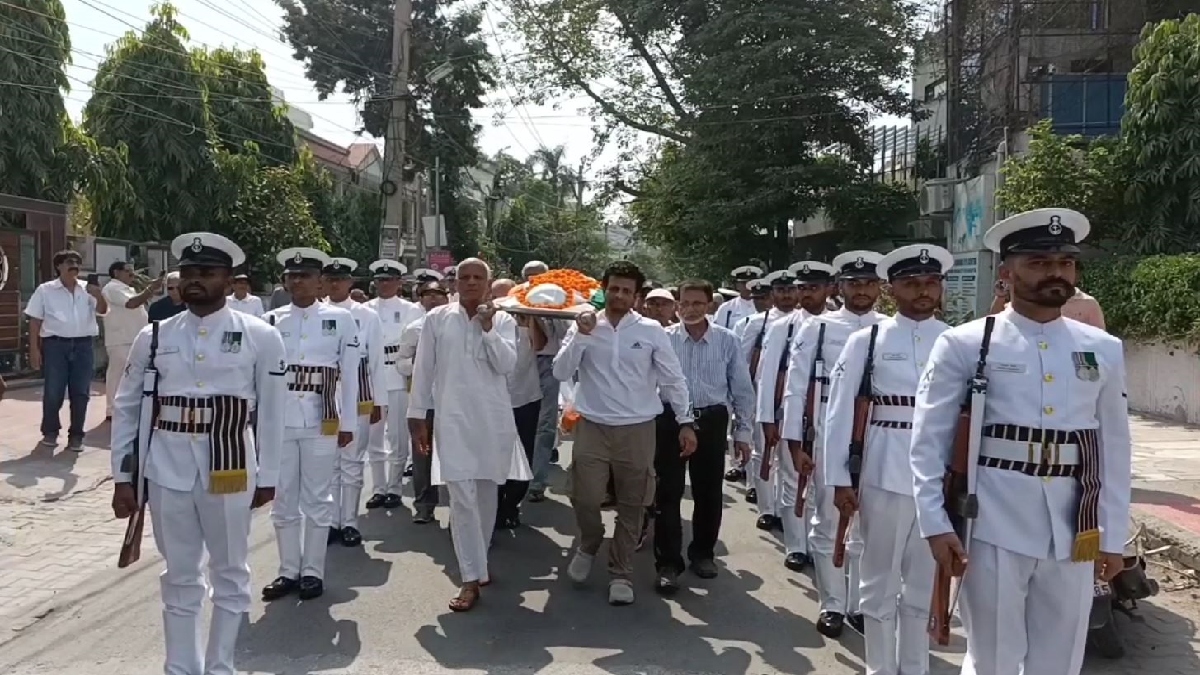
1121, 595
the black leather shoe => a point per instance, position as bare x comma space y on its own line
408, 471
375, 502
796, 562
554, 456
281, 587
765, 523
751, 496
735, 475
392, 501
705, 569
351, 537
855, 621
422, 518
335, 534
666, 581
830, 624
311, 587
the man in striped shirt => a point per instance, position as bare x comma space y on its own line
718, 380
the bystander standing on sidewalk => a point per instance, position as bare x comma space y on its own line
125, 319
62, 328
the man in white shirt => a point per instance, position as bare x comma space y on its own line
125, 318
62, 327
242, 299
623, 361
733, 310
545, 335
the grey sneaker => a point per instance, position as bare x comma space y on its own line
49, 441
620, 592
75, 445
580, 567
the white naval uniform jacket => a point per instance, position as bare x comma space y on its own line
461, 373
754, 325
319, 335
1034, 381
395, 314
226, 353
252, 305
370, 346
901, 350
732, 311
775, 349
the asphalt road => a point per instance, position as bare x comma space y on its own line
384, 611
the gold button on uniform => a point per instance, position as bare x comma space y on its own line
1043, 345
1048, 377
1049, 410
199, 357
200, 384
204, 331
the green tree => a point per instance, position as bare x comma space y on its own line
1159, 131
241, 105
864, 211
346, 46
149, 95
1068, 172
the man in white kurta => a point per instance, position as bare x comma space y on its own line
1053, 480
897, 568
461, 372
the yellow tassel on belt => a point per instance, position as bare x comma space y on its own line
228, 482
1087, 546
330, 427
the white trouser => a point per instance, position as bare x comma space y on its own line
347, 483
1023, 615
186, 525
897, 579
795, 531
837, 588
389, 448
765, 490
303, 506
472, 519
117, 356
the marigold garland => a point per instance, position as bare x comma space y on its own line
571, 281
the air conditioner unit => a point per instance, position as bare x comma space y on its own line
937, 198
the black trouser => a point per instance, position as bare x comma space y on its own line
425, 493
513, 491
706, 468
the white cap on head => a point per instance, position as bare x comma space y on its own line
660, 294
857, 265
385, 268
1038, 231
205, 249
340, 267
916, 260
746, 273
426, 274
302, 259
812, 271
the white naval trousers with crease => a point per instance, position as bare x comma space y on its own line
897, 584
1024, 616
767, 491
473, 506
787, 478
303, 506
838, 588
187, 525
388, 450
347, 484
118, 355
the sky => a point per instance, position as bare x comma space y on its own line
255, 24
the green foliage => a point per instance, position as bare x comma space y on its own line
1161, 128
1154, 298
242, 107
1068, 172
149, 95
263, 208
865, 211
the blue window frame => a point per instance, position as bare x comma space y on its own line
1088, 104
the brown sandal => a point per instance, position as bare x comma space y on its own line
465, 600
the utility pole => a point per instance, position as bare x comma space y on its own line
395, 210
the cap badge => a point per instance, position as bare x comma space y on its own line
298, 258
924, 255
1056, 227
197, 245
805, 269
859, 263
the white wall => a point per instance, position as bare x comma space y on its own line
1164, 380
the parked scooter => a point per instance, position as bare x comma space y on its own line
1120, 595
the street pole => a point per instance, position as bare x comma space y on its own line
437, 200
395, 206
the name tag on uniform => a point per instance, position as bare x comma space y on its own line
395, 317
837, 343
328, 327
231, 342
1087, 368
165, 349
1008, 367
285, 333
894, 356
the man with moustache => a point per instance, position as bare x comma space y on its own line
660, 306
1053, 482
859, 286
897, 567
388, 451
465, 353
62, 327
719, 382
812, 280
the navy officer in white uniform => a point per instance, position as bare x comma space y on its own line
1054, 472
206, 466
320, 420
734, 310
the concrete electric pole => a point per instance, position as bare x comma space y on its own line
396, 207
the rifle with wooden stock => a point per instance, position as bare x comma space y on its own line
958, 489
756, 351
812, 401
858, 444
764, 471
135, 463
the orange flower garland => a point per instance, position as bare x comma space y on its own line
570, 281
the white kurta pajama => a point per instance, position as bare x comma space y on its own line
897, 567
461, 373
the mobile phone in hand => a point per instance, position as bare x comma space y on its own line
93, 279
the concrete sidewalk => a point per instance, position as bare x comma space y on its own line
1166, 487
